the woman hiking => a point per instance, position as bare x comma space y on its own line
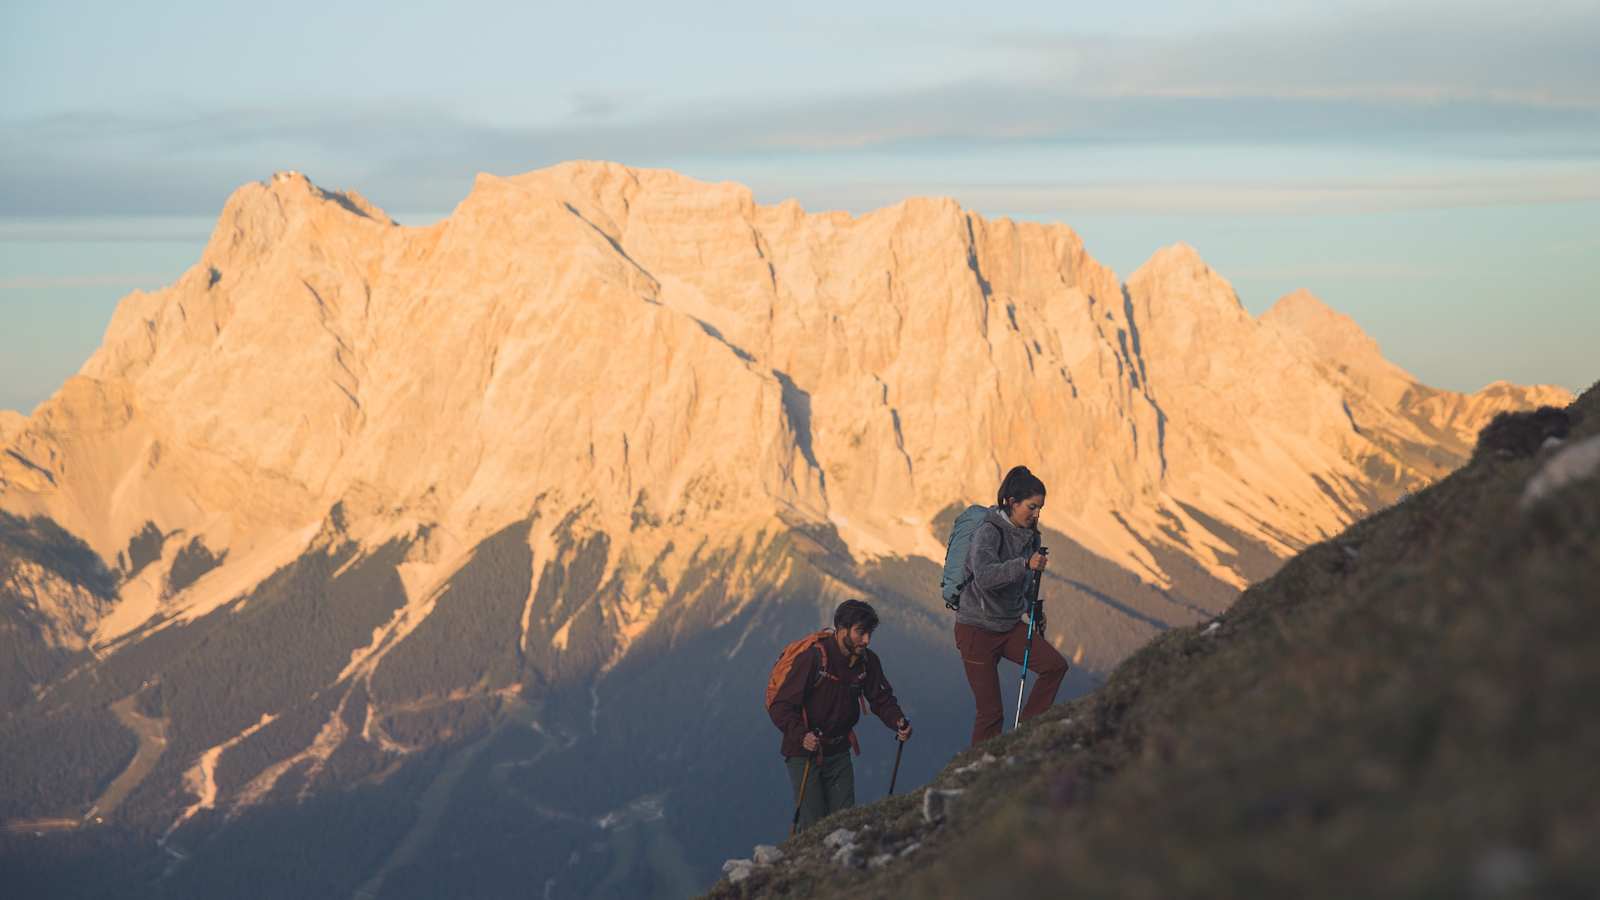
1005, 550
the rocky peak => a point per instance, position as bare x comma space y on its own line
1185, 300
291, 187
1181, 306
1334, 335
1390, 407
11, 422
1181, 266
1181, 255
261, 215
1541, 394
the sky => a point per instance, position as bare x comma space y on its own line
1431, 170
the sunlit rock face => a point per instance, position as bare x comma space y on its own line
600, 414
675, 363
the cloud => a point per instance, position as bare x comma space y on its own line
1577, 245
1509, 86
1539, 55
122, 229
1061, 200
1353, 271
49, 282
595, 105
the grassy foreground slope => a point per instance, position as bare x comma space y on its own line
1404, 710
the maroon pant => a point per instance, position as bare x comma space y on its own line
980, 655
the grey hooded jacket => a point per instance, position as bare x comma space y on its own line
997, 565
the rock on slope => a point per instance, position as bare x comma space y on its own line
1401, 711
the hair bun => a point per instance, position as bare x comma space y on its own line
1019, 484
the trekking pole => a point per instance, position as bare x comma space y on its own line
1033, 616
794, 826
896, 773
805, 776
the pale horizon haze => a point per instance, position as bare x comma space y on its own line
1431, 170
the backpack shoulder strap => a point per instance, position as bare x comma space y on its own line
822, 658
970, 574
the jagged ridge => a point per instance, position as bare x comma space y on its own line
488, 489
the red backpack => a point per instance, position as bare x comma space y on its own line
792, 656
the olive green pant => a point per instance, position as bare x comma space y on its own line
830, 787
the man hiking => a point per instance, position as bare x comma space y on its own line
1003, 555
814, 697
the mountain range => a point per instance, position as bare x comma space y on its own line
465, 548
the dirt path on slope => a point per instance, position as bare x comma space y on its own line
152, 734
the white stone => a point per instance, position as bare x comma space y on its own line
839, 837
848, 855
766, 854
936, 804
988, 759
1571, 464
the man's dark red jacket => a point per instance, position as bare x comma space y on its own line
831, 699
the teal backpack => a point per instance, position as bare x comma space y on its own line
955, 576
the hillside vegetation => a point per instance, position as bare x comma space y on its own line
1403, 710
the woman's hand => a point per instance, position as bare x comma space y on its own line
1038, 561
810, 742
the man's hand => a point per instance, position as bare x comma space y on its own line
811, 742
903, 730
